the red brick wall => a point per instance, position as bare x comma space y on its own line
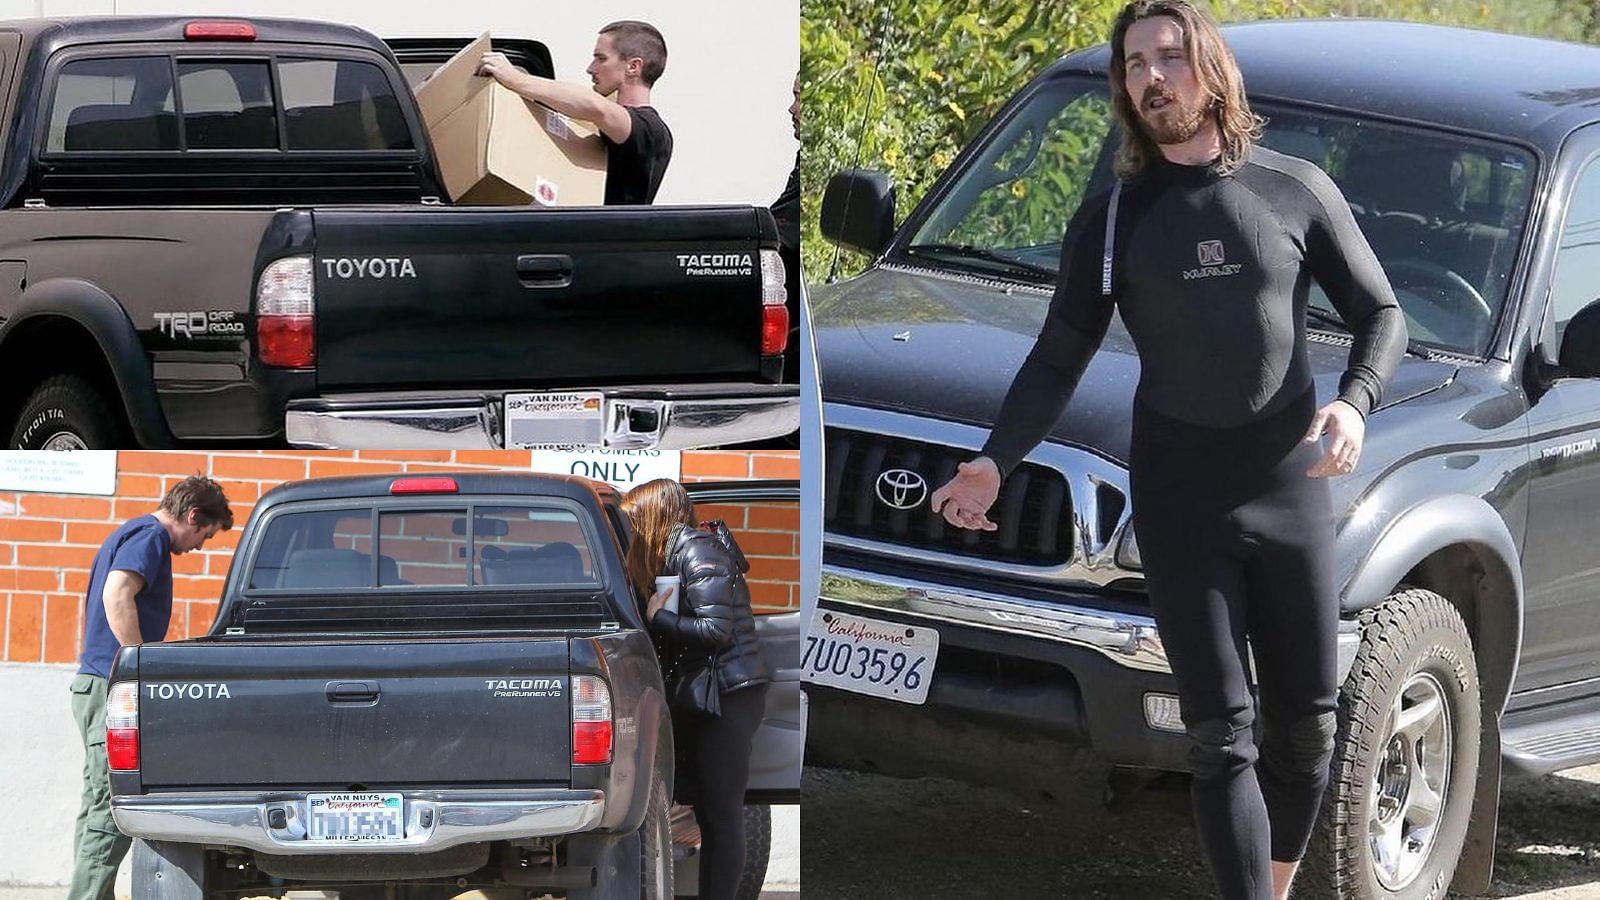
48, 541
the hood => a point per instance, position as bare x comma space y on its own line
947, 347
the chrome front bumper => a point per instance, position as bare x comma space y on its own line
642, 417
1126, 639
435, 820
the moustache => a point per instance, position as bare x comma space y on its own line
1153, 94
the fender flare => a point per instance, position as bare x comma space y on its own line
98, 313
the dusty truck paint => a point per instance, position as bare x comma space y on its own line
331, 676
268, 269
1475, 485
382, 639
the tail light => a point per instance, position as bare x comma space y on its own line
591, 721
122, 726
774, 304
286, 306
219, 31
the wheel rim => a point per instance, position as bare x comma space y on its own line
64, 440
1408, 790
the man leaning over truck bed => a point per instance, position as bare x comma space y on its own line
628, 58
129, 602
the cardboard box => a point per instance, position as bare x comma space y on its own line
495, 148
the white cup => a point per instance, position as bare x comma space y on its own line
672, 583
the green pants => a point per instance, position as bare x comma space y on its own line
98, 847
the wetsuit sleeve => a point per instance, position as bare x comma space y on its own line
1343, 263
1073, 329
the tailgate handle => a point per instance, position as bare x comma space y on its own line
352, 692
542, 270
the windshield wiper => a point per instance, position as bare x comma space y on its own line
969, 252
1323, 317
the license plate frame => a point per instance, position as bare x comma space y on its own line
867, 649
532, 419
332, 817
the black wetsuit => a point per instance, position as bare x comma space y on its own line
1211, 275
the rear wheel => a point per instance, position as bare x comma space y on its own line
655, 846
66, 412
1396, 813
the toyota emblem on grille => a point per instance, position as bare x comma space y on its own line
902, 489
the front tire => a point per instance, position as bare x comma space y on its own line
66, 412
1395, 816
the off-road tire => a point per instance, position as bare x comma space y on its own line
67, 405
1413, 632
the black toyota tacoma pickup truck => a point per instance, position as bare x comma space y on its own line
1466, 538
235, 231
417, 685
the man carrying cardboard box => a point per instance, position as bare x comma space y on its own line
628, 58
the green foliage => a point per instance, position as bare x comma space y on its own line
903, 86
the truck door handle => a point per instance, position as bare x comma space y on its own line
352, 692
545, 270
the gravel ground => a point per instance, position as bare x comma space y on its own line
870, 836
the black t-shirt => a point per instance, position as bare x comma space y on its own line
635, 166
1211, 276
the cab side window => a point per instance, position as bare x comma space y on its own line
1577, 276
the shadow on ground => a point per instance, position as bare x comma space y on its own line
869, 836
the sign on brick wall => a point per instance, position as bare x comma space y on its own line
84, 472
623, 469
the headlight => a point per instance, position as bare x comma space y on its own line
1128, 551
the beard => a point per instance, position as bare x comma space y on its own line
1173, 123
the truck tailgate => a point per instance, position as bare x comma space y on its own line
368, 713
463, 297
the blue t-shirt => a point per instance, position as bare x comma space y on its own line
141, 546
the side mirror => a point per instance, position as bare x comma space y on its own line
1580, 343
858, 210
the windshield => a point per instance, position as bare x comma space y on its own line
1444, 214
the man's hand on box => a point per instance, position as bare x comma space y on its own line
496, 66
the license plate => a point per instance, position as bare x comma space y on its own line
356, 817
554, 417
870, 656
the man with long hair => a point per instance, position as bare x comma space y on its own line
1208, 245
628, 58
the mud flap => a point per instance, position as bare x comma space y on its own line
1475, 870
615, 860
165, 870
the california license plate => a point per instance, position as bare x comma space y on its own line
870, 656
554, 417
356, 817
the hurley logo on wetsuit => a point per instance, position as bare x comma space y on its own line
1213, 262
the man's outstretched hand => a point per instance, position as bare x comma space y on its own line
966, 499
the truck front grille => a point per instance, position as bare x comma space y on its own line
1034, 510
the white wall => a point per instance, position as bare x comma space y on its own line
41, 763
725, 95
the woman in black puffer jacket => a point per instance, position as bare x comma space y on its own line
713, 625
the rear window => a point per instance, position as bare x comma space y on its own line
128, 103
410, 549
